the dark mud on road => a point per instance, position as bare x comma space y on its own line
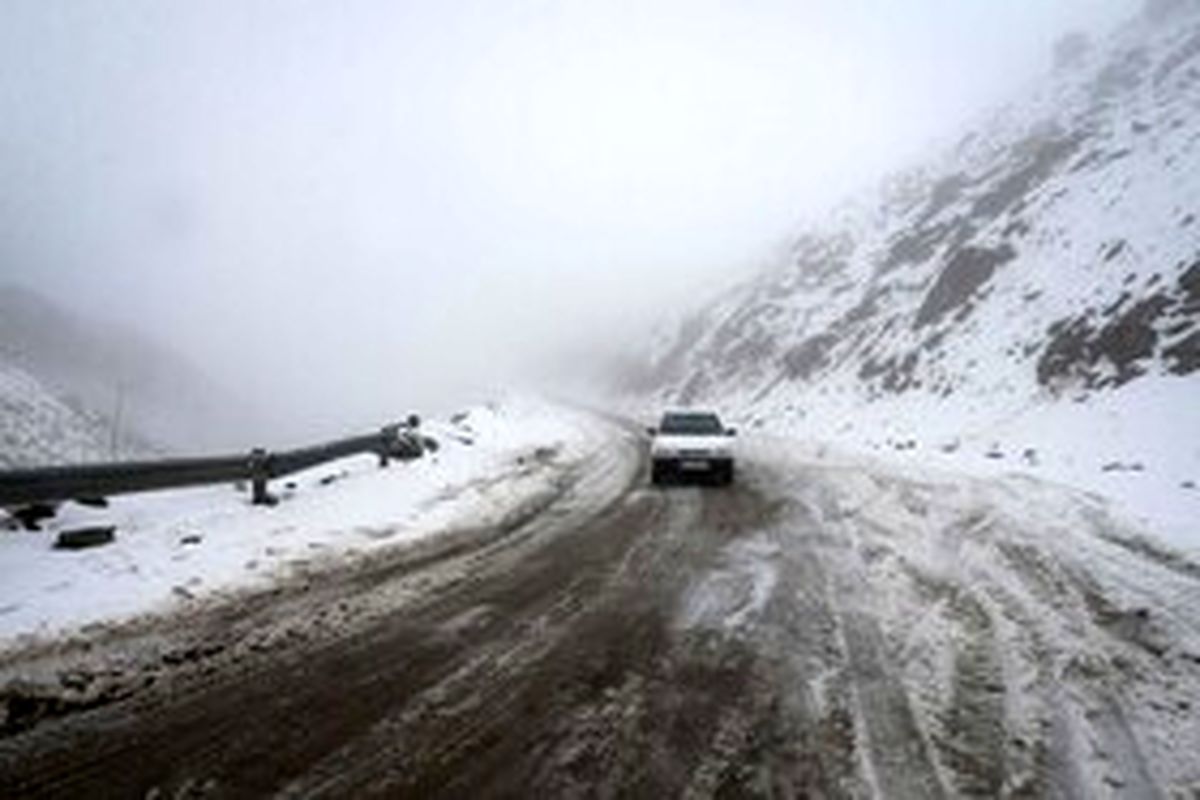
547, 659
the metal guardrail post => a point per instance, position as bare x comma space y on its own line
388, 435
260, 472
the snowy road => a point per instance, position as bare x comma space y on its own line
823, 628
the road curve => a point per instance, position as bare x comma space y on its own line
685, 642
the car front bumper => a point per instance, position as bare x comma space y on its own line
679, 467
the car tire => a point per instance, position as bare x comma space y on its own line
658, 473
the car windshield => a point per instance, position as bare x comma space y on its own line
691, 424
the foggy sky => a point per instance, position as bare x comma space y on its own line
353, 207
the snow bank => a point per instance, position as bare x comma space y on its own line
1022, 617
182, 546
1139, 448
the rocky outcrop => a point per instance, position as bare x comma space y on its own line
1053, 249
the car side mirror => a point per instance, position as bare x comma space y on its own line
650, 431
731, 431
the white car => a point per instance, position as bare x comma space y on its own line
691, 443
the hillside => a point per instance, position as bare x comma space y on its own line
37, 429
87, 363
1028, 300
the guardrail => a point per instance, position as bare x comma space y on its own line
23, 487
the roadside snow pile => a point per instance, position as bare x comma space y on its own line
1032, 630
182, 546
1139, 447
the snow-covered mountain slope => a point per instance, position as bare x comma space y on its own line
89, 364
1030, 299
37, 428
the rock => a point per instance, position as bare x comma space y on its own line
1183, 357
1109, 349
174, 658
22, 706
31, 516
80, 538
76, 680
811, 355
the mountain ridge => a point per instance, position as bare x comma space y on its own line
100, 370
1048, 262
